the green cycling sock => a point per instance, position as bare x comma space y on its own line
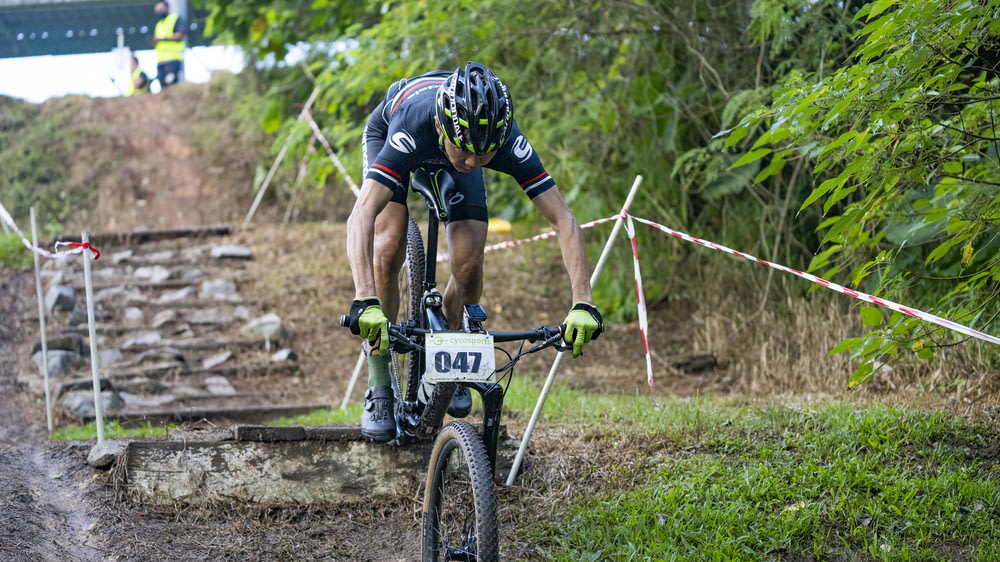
378, 370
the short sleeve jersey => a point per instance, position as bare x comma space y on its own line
405, 121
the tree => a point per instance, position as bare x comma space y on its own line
903, 142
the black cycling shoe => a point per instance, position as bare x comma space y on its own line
377, 421
461, 402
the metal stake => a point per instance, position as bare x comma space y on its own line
94, 359
41, 323
354, 379
555, 364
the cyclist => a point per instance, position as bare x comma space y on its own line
458, 122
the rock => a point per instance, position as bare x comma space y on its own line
69, 342
178, 295
149, 338
136, 401
60, 362
134, 316
161, 355
163, 317
268, 326
119, 294
60, 298
103, 454
108, 357
119, 257
81, 402
696, 363
241, 312
208, 316
217, 288
161, 256
219, 386
216, 360
79, 316
284, 355
231, 252
193, 275
182, 331
155, 273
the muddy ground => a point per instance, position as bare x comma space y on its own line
53, 506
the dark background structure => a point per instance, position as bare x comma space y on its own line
45, 27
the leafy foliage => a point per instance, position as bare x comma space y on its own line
876, 124
34, 167
902, 142
13, 254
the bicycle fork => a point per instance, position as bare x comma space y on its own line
491, 395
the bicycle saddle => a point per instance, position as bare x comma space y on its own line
437, 188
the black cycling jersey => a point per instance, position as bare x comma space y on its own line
400, 138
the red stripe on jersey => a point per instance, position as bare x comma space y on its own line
534, 179
418, 85
384, 169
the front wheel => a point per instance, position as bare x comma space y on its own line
460, 507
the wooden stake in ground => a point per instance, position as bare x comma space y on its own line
88, 278
41, 322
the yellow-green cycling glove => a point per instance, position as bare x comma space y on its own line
582, 324
369, 322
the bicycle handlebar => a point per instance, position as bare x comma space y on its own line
403, 331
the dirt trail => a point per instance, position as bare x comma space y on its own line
43, 502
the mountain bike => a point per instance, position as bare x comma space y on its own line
459, 517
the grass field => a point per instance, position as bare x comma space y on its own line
714, 478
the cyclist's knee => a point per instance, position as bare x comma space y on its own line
467, 273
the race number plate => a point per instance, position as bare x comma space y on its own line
460, 357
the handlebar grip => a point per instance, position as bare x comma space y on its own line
345, 321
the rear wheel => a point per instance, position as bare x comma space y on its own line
408, 366
460, 509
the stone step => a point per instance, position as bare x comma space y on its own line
223, 412
265, 465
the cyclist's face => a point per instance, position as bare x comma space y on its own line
463, 160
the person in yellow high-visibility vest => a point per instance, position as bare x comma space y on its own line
138, 82
168, 39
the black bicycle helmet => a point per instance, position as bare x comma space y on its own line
474, 109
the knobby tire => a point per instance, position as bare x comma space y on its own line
460, 508
413, 296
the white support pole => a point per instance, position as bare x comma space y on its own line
555, 364
94, 358
277, 161
318, 134
354, 379
41, 323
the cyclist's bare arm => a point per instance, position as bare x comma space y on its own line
553, 207
361, 235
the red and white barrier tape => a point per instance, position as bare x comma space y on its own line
885, 303
640, 298
943, 322
79, 247
443, 256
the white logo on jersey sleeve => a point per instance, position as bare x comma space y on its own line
522, 150
403, 142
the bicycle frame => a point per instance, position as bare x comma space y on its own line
437, 193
